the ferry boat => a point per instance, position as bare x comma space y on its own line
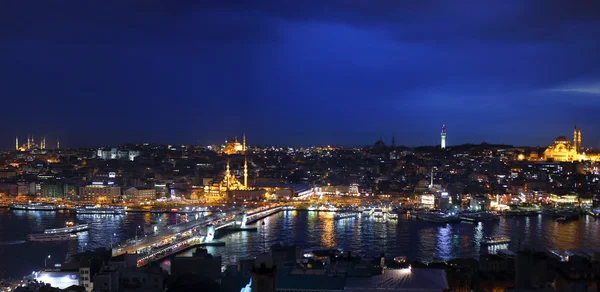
391, 215
33, 207
478, 217
367, 212
100, 210
495, 240
71, 227
339, 216
378, 213
51, 237
438, 217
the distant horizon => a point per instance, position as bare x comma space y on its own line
259, 145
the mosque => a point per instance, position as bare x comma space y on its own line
234, 146
229, 187
563, 150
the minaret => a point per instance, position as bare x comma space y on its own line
393, 142
431, 184
57, 143
28, 142
575, 139
17, 143
227, 174
245, 164
443, 135
579, 140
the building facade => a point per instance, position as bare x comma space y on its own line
99, 193
139, 194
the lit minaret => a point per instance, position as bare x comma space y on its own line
17, 143
28, 142
579, 140
575, 139
57, 143
245, 164
227, 174
431, 184
443, 136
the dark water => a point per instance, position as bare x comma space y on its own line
417, 240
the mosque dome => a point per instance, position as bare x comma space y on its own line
562, 139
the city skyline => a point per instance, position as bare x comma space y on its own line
303, 73
22, 144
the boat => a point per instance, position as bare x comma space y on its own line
391, 215
438, 217
495, 240
367, 212
100, 210
478, 217
339, 216
69, 229
378, 213
51, 237
33, 207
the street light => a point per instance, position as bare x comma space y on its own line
45, 259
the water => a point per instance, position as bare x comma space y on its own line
417, 240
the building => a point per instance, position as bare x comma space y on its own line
235, 147
99, 193
114, 153
139, 194
563, 150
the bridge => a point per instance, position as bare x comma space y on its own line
190, 234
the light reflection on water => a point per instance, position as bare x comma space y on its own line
363, 236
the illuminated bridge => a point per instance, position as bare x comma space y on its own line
202, 233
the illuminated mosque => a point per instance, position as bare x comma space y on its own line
563, 150
229, 184
235, 147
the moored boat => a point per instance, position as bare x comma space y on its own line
51, 237
339, 216
33, 207
69, 229
391, 215
100, 210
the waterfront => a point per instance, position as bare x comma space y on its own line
417, 240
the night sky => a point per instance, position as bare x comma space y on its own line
308, 72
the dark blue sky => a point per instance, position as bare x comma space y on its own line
299, 72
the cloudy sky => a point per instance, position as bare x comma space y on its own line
299, 72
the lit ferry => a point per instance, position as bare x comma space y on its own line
378, 213
495, 240
51, 237
100, 210
71, 228
391, 215
339, 216
33, 207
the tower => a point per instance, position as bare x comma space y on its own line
28, 142
579, 140
393, 142
431, 184
17, 143
57, 144
227, 174
443, 136
245, 164
575, 139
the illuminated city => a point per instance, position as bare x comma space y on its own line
296, 146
